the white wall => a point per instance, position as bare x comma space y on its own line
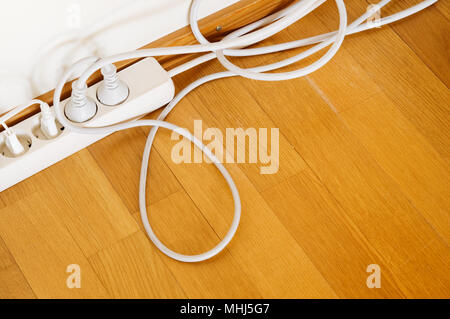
39, 38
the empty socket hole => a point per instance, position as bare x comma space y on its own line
36, 130
26, 142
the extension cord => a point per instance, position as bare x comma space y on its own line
150, 88
232, 45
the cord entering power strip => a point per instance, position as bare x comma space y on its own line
150, 87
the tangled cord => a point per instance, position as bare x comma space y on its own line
231, 45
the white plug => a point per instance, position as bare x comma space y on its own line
48, 122
13, 144
80, 107
112, 91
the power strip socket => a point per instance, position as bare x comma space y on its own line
150, 87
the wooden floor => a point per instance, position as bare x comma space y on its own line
363, 179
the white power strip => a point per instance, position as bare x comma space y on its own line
150, 88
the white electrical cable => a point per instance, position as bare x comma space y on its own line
246, 40
286, 75
231, 45
21, 108
355, 27
143, 176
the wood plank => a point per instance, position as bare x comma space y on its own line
385, 132
406, 156
6, 260
321, 228
432, 47
13, 284
421, 97
86, 202
444, 8
131, 268
21, 190
365, 192
180, 225
43, 248
126, 148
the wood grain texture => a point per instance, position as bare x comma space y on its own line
14, 284
363, 179
433, 47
